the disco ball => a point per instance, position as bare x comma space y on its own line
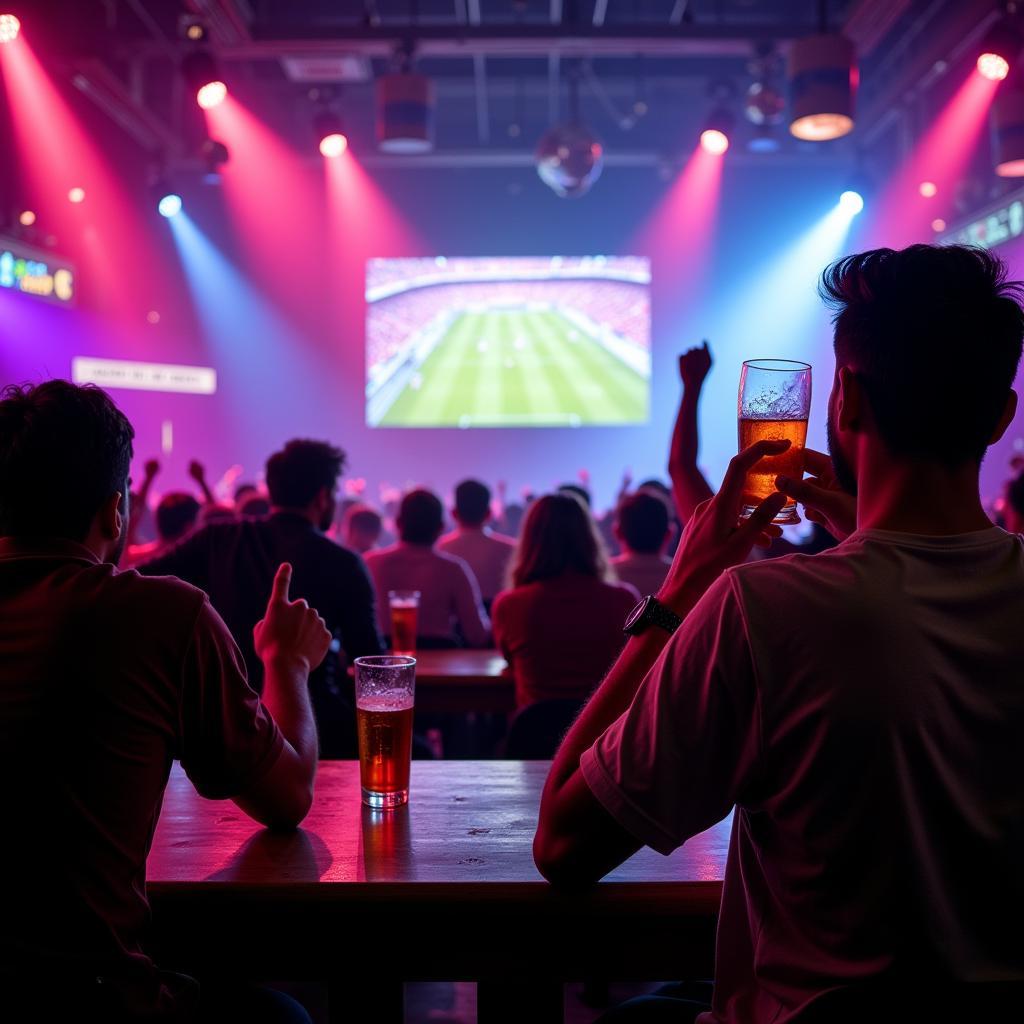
569, 160
764, 104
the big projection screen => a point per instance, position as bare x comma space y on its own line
554, 341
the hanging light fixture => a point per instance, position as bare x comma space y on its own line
822, 84
405, 109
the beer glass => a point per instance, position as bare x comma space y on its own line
774, 403
385, 688
404, 605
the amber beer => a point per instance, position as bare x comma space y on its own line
760, 482
774, 403
385, 689
385, 747
404, 606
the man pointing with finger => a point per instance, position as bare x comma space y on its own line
862, 709
106, 678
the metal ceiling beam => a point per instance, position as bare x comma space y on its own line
95, 80
228, 21
532, 40
524, 159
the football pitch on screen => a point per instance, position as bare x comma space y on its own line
519, 369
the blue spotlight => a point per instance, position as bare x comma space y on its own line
169, 204
851, 202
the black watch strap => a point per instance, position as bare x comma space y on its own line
651, 612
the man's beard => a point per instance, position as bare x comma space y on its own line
845, 476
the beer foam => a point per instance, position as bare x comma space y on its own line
389, 700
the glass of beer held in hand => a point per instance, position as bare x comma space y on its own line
774, 403
385, 688
404, 606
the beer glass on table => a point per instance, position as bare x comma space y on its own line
385, 690
774, 403
404, 605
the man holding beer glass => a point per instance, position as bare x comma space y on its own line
862, 709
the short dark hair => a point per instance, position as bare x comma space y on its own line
253, 505
643, 522
64, 450
420, 517
362, 517
296, 474
578, 490
559, 536
472, 502
934, 335
176, 515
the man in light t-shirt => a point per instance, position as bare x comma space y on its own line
862, 709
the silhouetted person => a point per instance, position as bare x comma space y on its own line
361, 528
689, 485
559, 624
487, 553
105, 678
642, 526
234, 562
176, 515
450, 608
862, 708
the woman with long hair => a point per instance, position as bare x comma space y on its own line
560, 623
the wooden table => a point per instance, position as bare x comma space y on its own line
463, 680
444, 889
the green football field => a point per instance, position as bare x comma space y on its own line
519, 369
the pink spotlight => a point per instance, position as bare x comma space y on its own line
993, 66
211, 95
76, 194
714, 141
27, 218
928, 189
10, 26
334, 144
938, 225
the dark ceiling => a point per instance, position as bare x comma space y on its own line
648, 71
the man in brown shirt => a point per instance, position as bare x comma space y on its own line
107, 677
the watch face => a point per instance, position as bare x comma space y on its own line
636, 614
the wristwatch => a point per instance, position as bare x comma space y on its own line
651, 612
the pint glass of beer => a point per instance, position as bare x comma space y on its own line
385, 687
774, 403
404, 605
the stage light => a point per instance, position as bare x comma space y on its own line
333, 145
27, 218
329, 133
714, 141
823, 85
714, 138
203, 75
10, 26
76, 194
928, 189
169, 204
851, 202
999, 49
211, 94
214, 155
993, 67
938, 225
